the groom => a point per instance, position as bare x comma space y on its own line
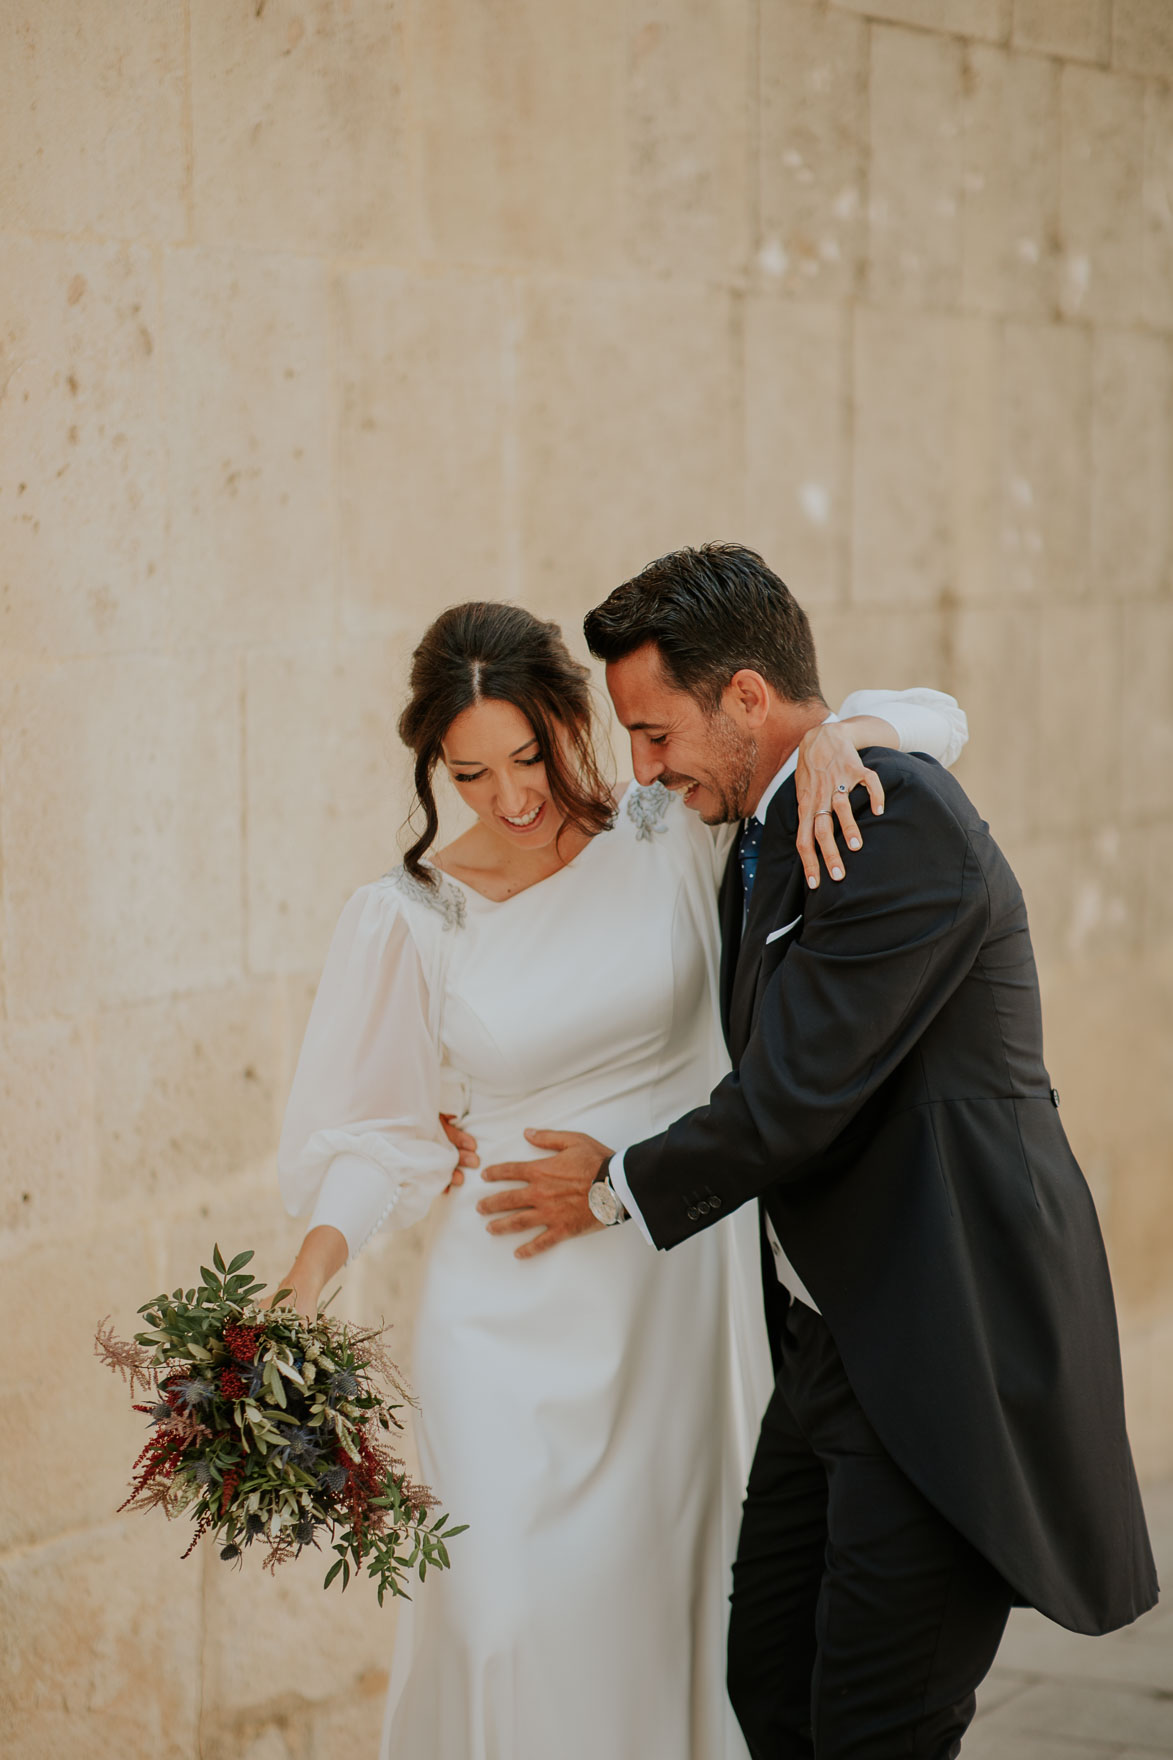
946, 1435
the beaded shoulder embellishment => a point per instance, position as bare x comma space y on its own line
646, 808
443, 898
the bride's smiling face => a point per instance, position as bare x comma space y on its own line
492, 755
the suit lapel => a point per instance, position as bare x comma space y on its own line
729, 906
779, 874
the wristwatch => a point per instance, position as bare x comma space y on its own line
604, 1200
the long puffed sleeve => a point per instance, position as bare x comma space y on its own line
925, 720
362, 1143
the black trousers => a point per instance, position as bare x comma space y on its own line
862, 1623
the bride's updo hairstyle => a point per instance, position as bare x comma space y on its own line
485, 651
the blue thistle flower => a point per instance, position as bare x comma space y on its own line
304, 1447
343, 1384
194, 1392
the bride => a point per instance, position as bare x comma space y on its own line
589, 1413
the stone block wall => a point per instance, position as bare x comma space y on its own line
317, 315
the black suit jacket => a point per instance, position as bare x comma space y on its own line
890, 1104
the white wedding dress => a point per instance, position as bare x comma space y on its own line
590, 1413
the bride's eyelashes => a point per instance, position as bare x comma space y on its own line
527, 762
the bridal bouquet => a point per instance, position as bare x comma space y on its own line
270, 1427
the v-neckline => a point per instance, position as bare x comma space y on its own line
525, 890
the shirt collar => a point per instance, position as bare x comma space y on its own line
784, 775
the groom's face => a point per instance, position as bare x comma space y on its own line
706, 756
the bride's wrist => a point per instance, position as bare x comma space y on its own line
322, 1254
869, 730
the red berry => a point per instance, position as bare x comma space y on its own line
242, 1341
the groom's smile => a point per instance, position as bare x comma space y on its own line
702, 755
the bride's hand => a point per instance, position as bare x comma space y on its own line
829, 767
301, 1294
323, 1253
466, 1145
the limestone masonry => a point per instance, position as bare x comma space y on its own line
317, 315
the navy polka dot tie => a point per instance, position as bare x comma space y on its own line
749, 843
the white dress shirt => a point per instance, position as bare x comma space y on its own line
924, 720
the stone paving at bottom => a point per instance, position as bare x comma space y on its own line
1053, 1695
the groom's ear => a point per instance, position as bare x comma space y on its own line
747, 699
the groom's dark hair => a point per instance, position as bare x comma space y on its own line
711, 612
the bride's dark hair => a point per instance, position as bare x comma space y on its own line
484, 651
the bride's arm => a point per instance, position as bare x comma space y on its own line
362, 1142
320, 1257
829, 767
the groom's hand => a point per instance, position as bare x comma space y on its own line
550, 1194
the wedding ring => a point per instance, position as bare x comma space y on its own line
825, 813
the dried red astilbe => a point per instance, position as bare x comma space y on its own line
370, 1349
228, 1490
157, 1459
184, 1428
167, 1494
285, 1546
365, 1479
203, 1526
132, 1361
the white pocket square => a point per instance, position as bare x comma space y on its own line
777, 934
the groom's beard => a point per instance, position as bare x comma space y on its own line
734, 757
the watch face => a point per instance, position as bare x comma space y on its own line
605, 1206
